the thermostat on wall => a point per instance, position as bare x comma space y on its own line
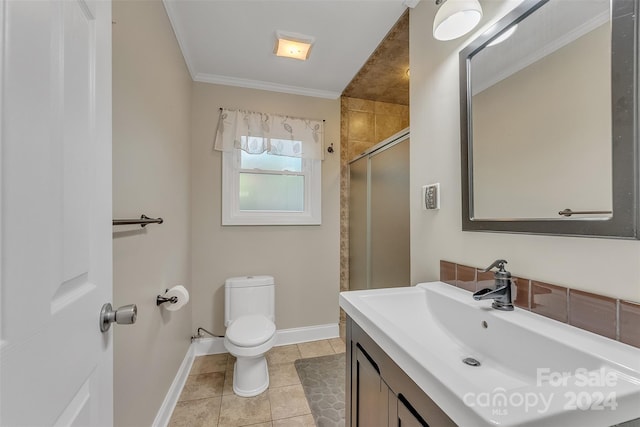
431, 196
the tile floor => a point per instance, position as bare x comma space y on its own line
207, 399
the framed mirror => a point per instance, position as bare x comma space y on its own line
549, 121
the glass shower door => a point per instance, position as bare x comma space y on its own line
389, 217
358, 224
379, 217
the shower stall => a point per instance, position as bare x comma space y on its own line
379, 215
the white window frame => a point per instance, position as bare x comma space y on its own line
232, 215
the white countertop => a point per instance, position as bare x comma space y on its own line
534, 370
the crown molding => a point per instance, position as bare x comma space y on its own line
258, 84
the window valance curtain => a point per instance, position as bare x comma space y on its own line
257, 133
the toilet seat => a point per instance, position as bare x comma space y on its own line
250, 331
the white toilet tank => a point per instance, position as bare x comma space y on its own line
247, 295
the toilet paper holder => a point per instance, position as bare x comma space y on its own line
161, 299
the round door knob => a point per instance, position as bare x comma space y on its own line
125, 315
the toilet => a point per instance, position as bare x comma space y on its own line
249, 316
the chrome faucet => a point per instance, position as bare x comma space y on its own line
501, 295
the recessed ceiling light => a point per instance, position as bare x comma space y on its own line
293, 45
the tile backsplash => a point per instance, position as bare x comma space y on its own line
549, 300
609, 317
629, 321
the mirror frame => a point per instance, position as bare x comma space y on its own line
625, 220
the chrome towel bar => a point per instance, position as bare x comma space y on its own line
569, 212
143, 221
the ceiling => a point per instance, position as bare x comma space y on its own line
231, 42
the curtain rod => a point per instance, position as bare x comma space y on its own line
286, 115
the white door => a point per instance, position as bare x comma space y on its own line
55, 214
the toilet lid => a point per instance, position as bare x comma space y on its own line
250, 331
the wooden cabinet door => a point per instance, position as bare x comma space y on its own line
380, 393
372, 395
408, 417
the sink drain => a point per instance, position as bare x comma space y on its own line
471, 361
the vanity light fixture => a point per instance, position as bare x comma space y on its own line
293, 45
455, 18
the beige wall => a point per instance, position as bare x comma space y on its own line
151, 132
303, 259
605, 266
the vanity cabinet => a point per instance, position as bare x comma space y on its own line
372, 393
379, 393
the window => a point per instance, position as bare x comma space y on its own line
271, 168
267, 189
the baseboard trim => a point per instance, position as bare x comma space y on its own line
307, 333
205, 346
169, 404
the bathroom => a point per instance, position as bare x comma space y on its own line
164, 166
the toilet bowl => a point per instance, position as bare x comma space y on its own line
249, 315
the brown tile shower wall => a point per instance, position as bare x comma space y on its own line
363, 124
370, 122
609, 317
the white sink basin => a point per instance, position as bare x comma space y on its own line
533, 371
